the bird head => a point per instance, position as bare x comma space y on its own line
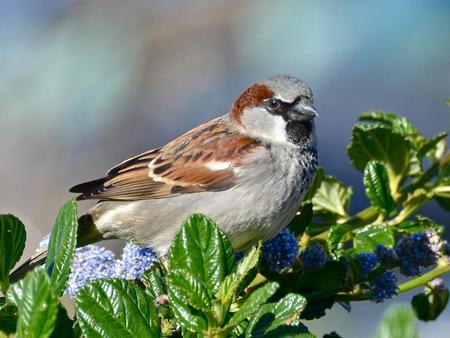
277, 108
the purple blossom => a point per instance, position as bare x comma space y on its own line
419, 249
386, 256
43, 244
93, 262
280, 252
313, 257
383, 286
135, 261
368, 261
90, 262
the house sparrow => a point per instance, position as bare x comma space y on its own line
248, 170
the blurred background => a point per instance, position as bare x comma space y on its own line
86, 84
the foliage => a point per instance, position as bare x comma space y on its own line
326, 255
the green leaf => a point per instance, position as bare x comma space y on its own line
398, 321
190, 290
376, 182
302, 220
421, 224
204, 250
154, 281
238, 280
318, 178
429, 305
116, 308
8, 318
431, 144
398, 124
415, 165
332, 197
36, 304
336, 236
442, 193
188, 317
251, 305
62, 246
370, 236
12, 243
273, 316
322, 283
382, 144
413, 202
63, 326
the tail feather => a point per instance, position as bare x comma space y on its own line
35, 260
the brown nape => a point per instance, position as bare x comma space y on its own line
251, 97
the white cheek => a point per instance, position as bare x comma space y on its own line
260, 123
279, 129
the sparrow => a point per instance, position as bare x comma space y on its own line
248, 170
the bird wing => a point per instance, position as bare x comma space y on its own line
204, 159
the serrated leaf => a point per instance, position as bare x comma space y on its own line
431, 144
413, 202
251, 305
188, 317
154, 282
274, 315
12, 243
116, 308
61, 247
367, 238
336, 235
398, 321
322, 283
190, 290
332, 197
37, 305
382, 144
204, 250
398, 124
302, 219
236, 281
376, 183
429, 305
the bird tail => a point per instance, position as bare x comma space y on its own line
87, 234
36, 260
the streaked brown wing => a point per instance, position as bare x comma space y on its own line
203, 159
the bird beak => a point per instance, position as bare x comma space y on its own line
303, 111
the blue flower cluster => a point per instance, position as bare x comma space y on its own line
367, 262
416, 250
90, 262
386, 256
93, 262
280, 252
313, 257
135, 261
383, 286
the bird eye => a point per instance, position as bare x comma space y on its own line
273, 104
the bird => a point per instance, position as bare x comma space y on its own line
248, 170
